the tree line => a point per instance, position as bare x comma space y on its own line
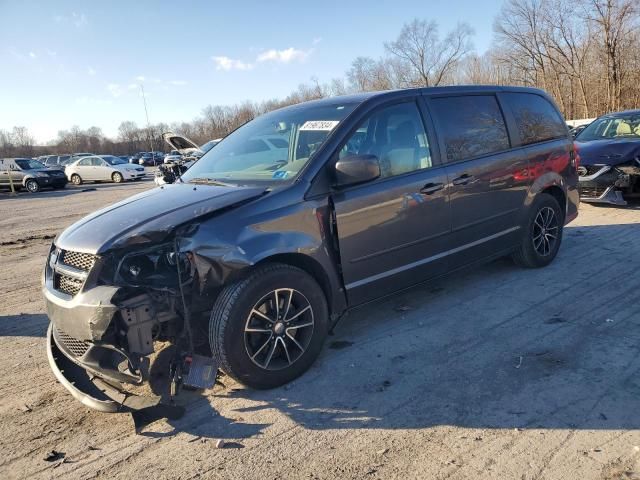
585, 53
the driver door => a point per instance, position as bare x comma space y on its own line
393, 231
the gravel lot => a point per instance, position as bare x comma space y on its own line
493, 373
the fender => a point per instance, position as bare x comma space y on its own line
224, 249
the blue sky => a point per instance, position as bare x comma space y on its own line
80, 63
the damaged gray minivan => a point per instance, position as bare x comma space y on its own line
246, 262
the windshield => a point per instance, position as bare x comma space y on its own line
26, 164
111, 160
607, 128
271, 148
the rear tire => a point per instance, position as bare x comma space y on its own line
75, 179
542, 235
268, 328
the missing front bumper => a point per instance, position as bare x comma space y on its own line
99, 394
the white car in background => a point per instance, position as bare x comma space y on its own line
102, 168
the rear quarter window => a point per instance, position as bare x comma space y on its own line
471, 126
536, 118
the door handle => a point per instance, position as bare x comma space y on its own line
431, 188
463, 179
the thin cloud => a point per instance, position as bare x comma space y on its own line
91, 71
316, 40
227, 64
177, 82
115, 89
287, 55
32, 55
79, 20
140, 78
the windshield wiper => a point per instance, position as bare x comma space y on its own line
210, 181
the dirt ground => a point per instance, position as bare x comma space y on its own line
494, 373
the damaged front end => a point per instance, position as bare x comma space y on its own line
108, 313
123, 286
609, 184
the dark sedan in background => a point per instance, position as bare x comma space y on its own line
30, 174
609, 150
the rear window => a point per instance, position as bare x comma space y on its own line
471, 126
537, 119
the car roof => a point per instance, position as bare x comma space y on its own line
447, 90
624, 113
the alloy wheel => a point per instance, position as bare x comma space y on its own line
279, 329
545, 231
32, 186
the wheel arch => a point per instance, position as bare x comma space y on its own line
308, 265
550, 183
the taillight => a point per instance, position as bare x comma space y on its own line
575, 156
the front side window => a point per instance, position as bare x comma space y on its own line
96, 162
536, 118
471, 126
395, 135
245, 157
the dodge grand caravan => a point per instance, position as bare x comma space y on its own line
248, 260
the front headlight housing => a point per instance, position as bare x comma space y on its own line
154, 268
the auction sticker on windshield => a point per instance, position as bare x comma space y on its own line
323, 125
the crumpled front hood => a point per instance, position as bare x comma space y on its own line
608, 152
149, 216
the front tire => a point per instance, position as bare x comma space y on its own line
32, 186
543, 233
268, 328
117, 177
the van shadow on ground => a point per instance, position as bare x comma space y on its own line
498, 347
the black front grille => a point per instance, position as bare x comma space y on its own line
76, 347
81, 261
66, 284
592, 192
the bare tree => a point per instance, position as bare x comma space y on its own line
432, 60
617, 21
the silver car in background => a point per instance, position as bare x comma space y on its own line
102, 168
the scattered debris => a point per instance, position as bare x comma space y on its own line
194, 439
289, 386
519, 362
382, 452
219, 443
402, 308
609, 320
53, 456
603, 416
26, 408
92, 448
478, 439
597, 450
554, 320
340, 344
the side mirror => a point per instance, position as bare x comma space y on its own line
356, 169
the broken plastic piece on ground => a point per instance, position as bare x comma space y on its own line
54, 456
200, 371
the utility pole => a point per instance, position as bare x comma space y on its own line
146, 112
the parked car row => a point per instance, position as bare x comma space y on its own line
33, 175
